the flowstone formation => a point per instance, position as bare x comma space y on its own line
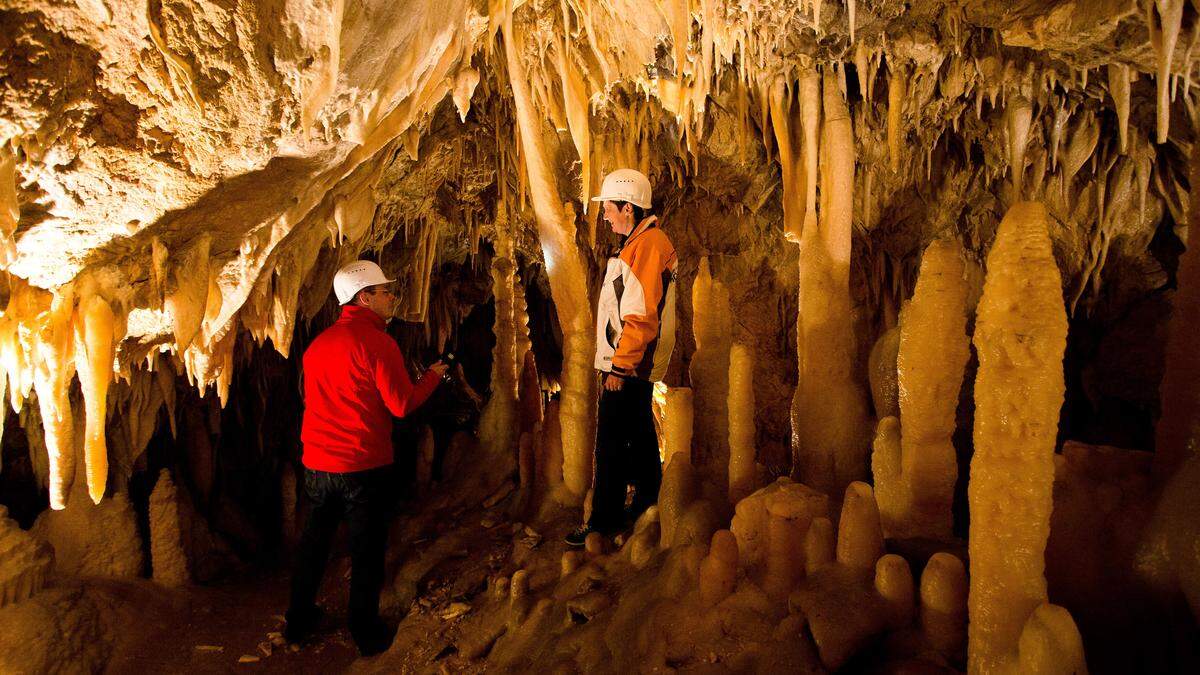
934, 398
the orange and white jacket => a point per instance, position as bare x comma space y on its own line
635, 317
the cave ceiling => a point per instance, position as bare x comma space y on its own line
259, 144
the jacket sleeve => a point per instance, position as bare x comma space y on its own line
399, 394
640, 302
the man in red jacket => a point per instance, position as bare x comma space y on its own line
355, 381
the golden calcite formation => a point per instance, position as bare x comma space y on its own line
54, 366
678, 416
95, 345
498, 421
943, 611
711, 321
829, 446
916, 471
566, 271
1020, 335
167, 558
25, 563
742, 449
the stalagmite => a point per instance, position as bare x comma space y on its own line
914, 479
718, 572
94, 338
944, 605
881, 367
860, 539
678, 416
26, 563
167, 559
1177, 436
711, 322
819, 545
1118, 88
752, 517
894, 583
568, 279
679, 489
742, 447
1020, 336
54, 368
829, 416
787, 523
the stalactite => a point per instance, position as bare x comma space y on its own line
790, 164
742, 444
914, 465
1020, 336
10, 209
54, 366
185, 302
568, 280
95, 338
897, 92
1164, 33
1018, 116
1118, 88
711, 321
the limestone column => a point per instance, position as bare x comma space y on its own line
914, 478
567, 274
497, 422
1020, 336
829, 409
711, 319
742, 448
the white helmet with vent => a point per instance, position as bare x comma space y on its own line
625, 185
356, 276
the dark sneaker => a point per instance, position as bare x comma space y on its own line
578, 536
375, 638
301, 623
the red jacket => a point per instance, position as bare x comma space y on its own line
354, 383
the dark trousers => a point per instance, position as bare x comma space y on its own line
361, 499
626, 454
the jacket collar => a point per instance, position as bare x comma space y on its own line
356, 314
646, 224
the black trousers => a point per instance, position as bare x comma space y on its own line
626, 454
362, 500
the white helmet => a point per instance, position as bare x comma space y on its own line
356, 276
625, 185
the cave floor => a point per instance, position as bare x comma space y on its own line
214, 626
444, 550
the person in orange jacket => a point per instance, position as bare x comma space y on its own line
635, 334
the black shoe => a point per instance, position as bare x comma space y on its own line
373, 639
578, 536
301, 623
